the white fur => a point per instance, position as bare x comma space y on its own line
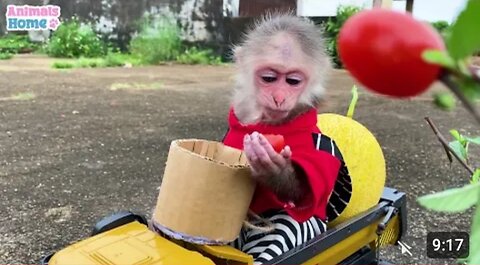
308, 36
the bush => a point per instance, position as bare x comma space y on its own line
158, 40
120, 59
332, 28
90, 63
63, 65
73, 40
115, 59
197, 56
442, 27
5, 55
14, 43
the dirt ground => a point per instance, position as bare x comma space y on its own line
89, 142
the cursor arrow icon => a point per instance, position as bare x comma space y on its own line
405, 248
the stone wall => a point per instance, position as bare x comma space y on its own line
200, 20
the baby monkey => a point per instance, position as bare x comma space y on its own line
281, 71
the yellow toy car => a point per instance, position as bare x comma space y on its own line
125, 238
375, 216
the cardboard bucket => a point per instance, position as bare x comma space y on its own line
205, 193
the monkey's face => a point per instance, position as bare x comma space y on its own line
281, 74
281, 69
280, 77
279, 88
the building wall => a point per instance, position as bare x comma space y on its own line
200, 20
428, 10
231, 8
315, 8
214, 22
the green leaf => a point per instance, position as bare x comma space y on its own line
444, 101
459, 137
353, 102
475, 176
459, 149
439, 57
474, 257
455, 134
452, 200
475, 140
470, 88
465, 39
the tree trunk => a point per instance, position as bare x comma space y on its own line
409, 6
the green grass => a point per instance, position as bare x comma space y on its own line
117, 59
190, 56
136, 86
16, 43
63, 65
90, 63
157, 41
5, 55
198, 56
111, 60
23, 96
121, 59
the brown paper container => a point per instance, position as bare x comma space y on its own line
205, 193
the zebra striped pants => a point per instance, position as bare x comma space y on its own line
286, 235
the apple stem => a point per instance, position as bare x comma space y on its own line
447, 147
447, 81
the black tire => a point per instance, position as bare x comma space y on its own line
46, 259
116, 220
384, 262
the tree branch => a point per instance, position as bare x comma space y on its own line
444, 142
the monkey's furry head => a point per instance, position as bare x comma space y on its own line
309, 38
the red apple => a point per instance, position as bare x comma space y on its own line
277, 141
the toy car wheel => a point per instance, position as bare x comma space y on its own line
116, 220
46, 259
384, 262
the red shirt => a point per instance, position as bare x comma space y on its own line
320, 167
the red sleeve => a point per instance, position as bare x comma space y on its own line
321, 170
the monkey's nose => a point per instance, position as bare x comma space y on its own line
278, 103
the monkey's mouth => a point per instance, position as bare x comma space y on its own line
276, 114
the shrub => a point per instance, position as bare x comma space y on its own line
332, 28
73, 39
115, 59
197, 56
5, 55
90, 63
158, 40
63, 65
442, 27
14, 43
120, 59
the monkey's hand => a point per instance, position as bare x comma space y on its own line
273, 169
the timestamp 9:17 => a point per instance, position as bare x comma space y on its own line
444, 245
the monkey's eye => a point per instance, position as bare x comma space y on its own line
293, 81
269, 78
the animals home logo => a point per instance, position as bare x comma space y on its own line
26, 17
